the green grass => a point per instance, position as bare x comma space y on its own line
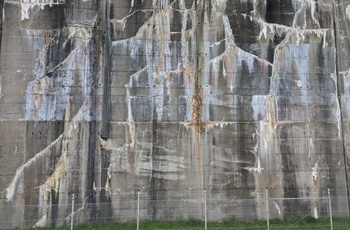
306, 223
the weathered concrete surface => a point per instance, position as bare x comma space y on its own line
107, 98
342, 11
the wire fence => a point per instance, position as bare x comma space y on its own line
297, 213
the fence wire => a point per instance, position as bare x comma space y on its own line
201, 210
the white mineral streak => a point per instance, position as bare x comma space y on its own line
10, 191
312, 4
231, 48
43, 200
228, 31
85, 76
60, 167
156, 69
53, 182
301, 62
325, 43
311, 147
130, 119
220, 124
278, 208
186, 64
267, 29
154, 2
338, 110
267, 130
42, 222
347, 11
207, 75
42, 92
161, 62
219, 6
296, 4
260, 107
119, 161
300, 16
158, 65
116, 165
246, 56
131, 5
258, 169
40, 88
345, 75
314, 172
3, 14
120, 23
28, 5
80, 34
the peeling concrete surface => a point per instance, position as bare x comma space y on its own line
170, 97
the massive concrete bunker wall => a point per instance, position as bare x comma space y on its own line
170, 97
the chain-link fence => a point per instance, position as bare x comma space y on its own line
296, 213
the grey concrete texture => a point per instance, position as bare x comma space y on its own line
105, 98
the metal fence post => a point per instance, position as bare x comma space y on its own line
72, 215
138, 211
267, 209
330, 208
205, 210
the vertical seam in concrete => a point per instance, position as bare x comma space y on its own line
106, 106
335, 27
153, 130
196, 100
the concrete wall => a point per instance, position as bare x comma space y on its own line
105, 98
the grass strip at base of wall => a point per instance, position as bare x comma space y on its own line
305, 223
